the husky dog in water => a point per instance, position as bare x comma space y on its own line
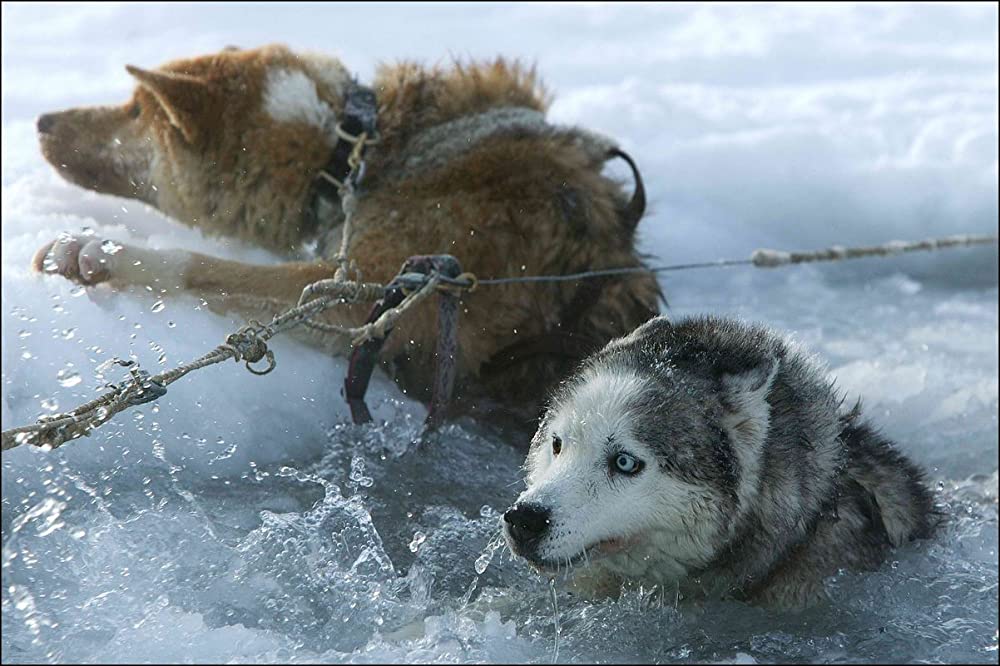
711, 456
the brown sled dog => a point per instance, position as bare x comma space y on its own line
234, 142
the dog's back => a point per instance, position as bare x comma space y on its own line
821, 504
466, 165
880, 502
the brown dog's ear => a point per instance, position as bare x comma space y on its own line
182, 96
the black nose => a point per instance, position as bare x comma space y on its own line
527, 522
45, 122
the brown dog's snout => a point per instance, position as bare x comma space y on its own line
45, 123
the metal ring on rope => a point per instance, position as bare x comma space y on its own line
251, 348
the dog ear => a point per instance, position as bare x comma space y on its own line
182, 96
744, 399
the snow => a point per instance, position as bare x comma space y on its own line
244, 518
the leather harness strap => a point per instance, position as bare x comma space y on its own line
364, 357
358, 123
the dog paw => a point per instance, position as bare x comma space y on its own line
81, 259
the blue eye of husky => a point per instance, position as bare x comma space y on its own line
626, 463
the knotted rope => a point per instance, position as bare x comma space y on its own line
249, 344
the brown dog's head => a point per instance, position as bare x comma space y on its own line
230, 142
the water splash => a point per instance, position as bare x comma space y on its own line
358, 475
483, 561
111, 247
555, 619
46, 516
68, 377
418, 539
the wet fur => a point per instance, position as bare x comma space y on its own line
199, 141
762, 486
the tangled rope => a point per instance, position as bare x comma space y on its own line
249, 344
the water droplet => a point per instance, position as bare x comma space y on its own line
158, 306
227, 453
358, 475
171, 324
24, 334
110, 247
483, 561
68, 377
50, 404
27, 355
418, 539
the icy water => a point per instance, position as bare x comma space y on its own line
244, 519
369, 549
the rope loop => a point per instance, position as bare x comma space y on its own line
249, 344
470, 278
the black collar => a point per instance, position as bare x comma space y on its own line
359, 116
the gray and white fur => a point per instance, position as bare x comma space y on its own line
710, 456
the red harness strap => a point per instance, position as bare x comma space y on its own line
365, 356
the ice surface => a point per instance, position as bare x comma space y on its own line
244, 518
